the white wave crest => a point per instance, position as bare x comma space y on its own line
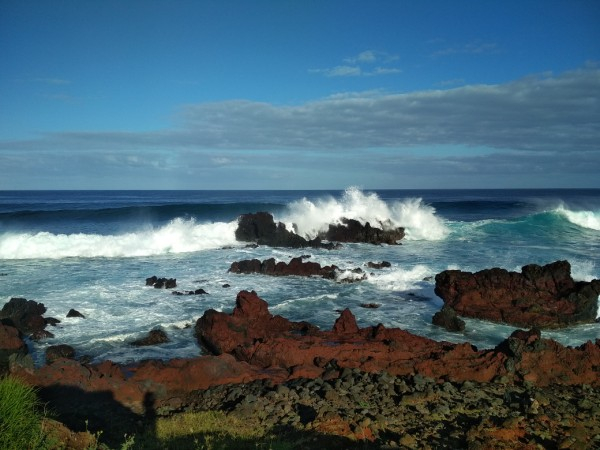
585, 219
178, 236
401, 279
419, 220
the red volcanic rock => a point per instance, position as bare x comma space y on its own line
539, 296
10, 343
250, 320
295, 267
248, 335
167, 382
346, 323
545, 362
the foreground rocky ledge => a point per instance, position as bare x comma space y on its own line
374, 383
539, 296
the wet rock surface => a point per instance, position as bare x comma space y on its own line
296, 266
261, 228
160, 283
539, 296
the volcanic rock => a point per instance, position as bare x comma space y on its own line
295, 267
380, 265
154, 337
448, 319
75, 313
159, 283
539, 296
261, 228
253, 335
25, 315
196, 292
351, 230
55, 352
11, 343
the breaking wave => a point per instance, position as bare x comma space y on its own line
178, 236
584, 219
419, 220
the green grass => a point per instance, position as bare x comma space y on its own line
20, 416
209, 430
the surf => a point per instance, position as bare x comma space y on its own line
310, 217
178, 236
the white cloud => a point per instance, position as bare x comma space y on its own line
360, 65
474, 48
537, 127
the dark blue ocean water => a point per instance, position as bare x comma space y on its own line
92, 250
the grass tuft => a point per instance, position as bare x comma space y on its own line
20, 416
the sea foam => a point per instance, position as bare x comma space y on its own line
584, 219
309, 218
178, 236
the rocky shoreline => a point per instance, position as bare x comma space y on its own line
348, 387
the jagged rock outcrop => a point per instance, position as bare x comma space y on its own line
539, 296
351, 230
25, 315
261, 228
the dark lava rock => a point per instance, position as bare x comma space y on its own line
159, 283
25, 315
296, 266
370, 305
39, 335
196, 292
262, 229
351, 230
539, 296
154, 337
448, 319
55, 352
11, 343
75, 313
381, 265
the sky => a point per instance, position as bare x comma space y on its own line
311, 94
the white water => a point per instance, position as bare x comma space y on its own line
419, 220
585, 219
178, 236
103, 276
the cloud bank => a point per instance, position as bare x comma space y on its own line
538, 125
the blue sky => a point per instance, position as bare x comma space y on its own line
299, 94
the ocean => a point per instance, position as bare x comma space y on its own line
92, 251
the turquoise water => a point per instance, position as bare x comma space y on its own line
93, 250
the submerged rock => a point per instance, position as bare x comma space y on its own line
448, 319
154, 337
159, 283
